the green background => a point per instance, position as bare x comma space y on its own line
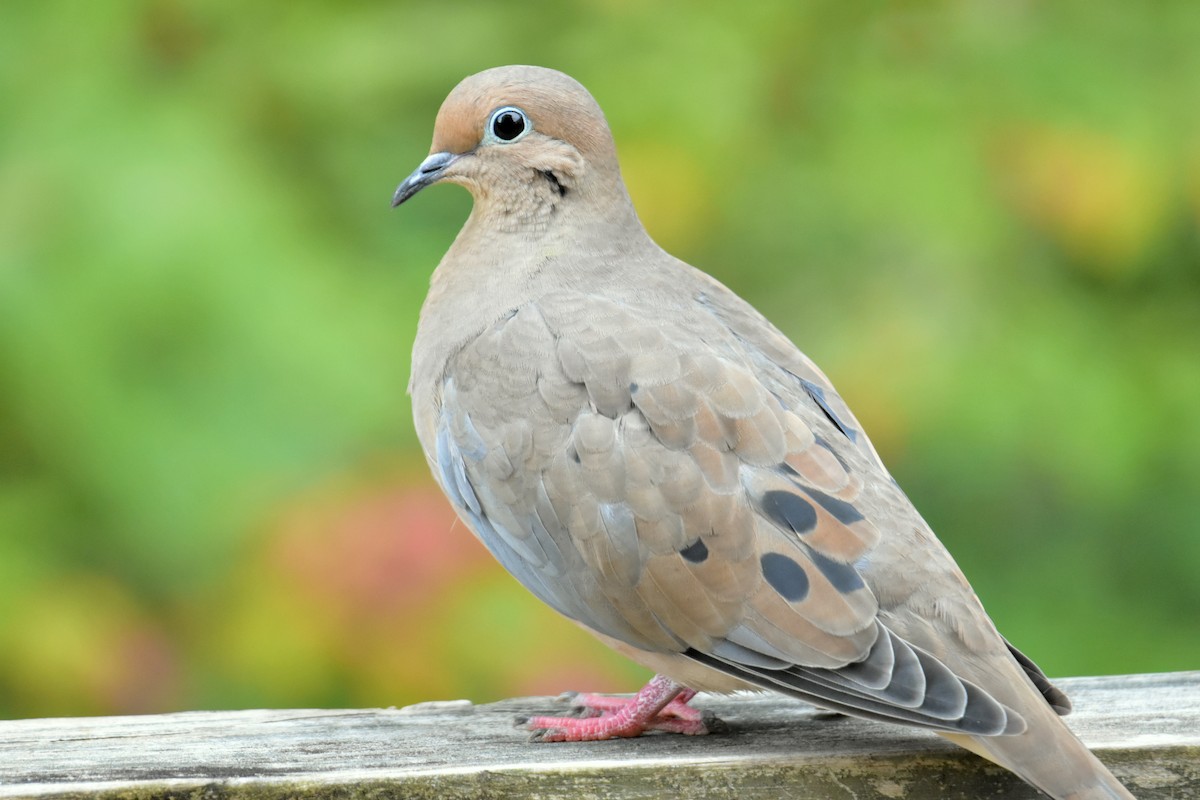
981, 219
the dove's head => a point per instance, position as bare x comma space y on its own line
524, 141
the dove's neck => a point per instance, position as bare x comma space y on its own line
494, 268
511, 251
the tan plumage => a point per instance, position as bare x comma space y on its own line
655, 460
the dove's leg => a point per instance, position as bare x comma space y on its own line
599, 705
661, 705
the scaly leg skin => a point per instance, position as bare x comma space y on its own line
599, 705
661, 705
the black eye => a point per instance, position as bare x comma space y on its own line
508, 124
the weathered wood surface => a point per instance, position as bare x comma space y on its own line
1146, 727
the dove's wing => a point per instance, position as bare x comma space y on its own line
645, 478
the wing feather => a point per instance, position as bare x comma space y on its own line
678, 501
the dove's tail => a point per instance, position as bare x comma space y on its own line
1049, 756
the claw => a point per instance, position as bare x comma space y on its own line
713, 723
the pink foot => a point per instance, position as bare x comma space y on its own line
600, 705
661, 705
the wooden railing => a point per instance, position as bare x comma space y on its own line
1145, 727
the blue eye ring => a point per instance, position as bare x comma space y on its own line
508, 124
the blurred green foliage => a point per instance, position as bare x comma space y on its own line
981, 218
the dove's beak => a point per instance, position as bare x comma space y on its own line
430, 171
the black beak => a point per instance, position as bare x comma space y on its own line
430, 170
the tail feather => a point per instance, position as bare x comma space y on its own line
1050, 757
1056, 697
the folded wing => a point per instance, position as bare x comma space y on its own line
671, 497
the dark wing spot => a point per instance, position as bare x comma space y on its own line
843, 512
818, 396
789, 511
696, 552
844, 577
633, 387
785, 576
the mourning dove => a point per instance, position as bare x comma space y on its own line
651, 457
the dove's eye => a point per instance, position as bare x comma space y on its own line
509, 124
